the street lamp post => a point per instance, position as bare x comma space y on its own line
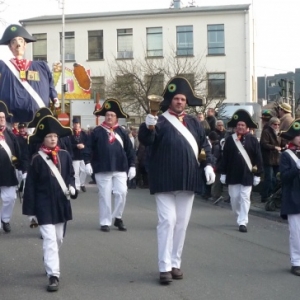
63, 57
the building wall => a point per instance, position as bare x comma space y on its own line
237, 63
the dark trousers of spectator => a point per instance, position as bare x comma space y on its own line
269, 182
217, 187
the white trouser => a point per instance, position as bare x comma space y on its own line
8, 196
80, 174
294, 227
52, 240
240, 202
111, 182
174, 212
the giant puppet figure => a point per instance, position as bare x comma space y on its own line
25, 85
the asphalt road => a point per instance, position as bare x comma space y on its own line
219, 262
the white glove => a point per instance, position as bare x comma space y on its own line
210, 175
56, 102
298, 163
223, 178
131, 173
24, 175
72, 190
256, 180
151, 120
88, 169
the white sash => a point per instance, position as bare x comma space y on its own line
184, 131
116, 135
242, 151
25, 84
6, 148
56, 173
292, 155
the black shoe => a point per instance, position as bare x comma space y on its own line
83, 188
53, 284
165, 278
105, 228
119, 223
242, 228
6, 227
295, 270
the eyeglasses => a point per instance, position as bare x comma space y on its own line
276, 124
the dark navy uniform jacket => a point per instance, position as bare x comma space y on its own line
43, 196
109, 157
290, 180
172, 163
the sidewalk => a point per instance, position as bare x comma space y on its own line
257, 208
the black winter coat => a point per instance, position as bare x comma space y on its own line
234, 165
7, 170
75, 140
290, 179
43, 196
172, 162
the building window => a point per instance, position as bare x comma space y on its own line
185, 44
215, 38
125, 49
98, 87
155, 84
69, 45
39, 48
216, 85
154, 42
95, 44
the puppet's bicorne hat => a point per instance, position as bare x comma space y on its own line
242, 115
113, 105
13, 31
293, 130
46, 125
4, 109
42, 112
179, 85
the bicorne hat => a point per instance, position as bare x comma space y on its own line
42, 112
179, 85
113, 105
46, 125
4, 109
13, 31
242, 115
75, 120
293, 131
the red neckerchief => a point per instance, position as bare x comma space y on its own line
51, 152
77, 131
21, 64
241, 136
111, 135
2, 137
292, 147
15, 131
180, 116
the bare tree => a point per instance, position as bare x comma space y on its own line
131, 81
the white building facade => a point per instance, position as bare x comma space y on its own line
223, 36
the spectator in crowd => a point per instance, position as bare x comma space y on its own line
285, 115
204, 123
290, 204
220, 129
211, 118
266, 115
270, 144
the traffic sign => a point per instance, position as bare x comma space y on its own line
64, 119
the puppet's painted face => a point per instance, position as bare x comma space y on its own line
17, 46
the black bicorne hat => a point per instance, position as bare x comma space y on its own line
242, 115
22, 125
46, 125
75, 120
4, 109
179, 85
293, 131
13, 31
113, 105
42, 112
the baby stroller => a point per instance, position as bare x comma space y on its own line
274, 201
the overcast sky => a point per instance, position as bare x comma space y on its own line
277, 22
